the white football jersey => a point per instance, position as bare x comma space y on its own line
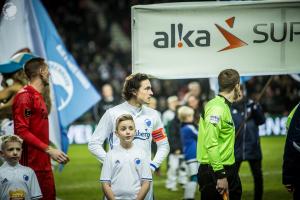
18, 182
125, 169
148, 127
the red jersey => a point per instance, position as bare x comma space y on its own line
30, 117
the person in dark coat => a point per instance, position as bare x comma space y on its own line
291, 157
247, 116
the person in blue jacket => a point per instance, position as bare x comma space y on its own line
189, 135
291, 157
247, 116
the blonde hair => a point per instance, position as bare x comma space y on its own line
184, 112
9, 138
172, 99
123, 118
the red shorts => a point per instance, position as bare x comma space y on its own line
47, 185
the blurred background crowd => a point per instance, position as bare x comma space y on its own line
98, 34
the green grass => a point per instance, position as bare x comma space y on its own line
79, 179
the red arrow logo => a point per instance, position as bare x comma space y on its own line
234, 42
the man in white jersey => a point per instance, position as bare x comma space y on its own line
16, 181
136, 92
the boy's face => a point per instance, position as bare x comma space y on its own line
144, 93
190, 118
12, 152
126, 132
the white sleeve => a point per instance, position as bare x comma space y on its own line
35, 190
106, 169
102, 131
146, 171
159, 136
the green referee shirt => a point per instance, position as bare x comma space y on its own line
216, 135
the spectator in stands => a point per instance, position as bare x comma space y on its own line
194, 88
108, 100
169, 114
247, 116
194, 102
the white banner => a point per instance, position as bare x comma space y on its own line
194, 40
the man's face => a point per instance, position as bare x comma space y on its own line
12, 152
144, 93
193, 102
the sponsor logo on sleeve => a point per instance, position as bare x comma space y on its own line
214, 119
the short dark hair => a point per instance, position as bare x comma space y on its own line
32, 67
228, 79
123, 118
132, 84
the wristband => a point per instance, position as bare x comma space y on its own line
220, 174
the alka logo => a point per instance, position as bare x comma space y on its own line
203, 38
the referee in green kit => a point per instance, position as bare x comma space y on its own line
217, 174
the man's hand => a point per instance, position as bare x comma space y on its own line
289, 187
57, 155
222, 186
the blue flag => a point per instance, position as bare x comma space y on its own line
73, 91
26, 24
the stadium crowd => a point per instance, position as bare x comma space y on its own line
98, 35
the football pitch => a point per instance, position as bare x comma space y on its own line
79, 179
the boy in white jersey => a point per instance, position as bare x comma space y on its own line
136, 91
125, 173
16, 181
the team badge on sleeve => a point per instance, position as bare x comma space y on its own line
27, 112
158, 135
214, 119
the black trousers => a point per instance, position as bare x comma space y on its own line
208, 181
255, 166
296, 194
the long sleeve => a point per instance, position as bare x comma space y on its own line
162, 143
212, 145
163, 150
102, 131
22, 112
212, 129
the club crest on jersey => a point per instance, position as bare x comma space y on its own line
25, 177
148, 123
137, 161
27, 112
214, 119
